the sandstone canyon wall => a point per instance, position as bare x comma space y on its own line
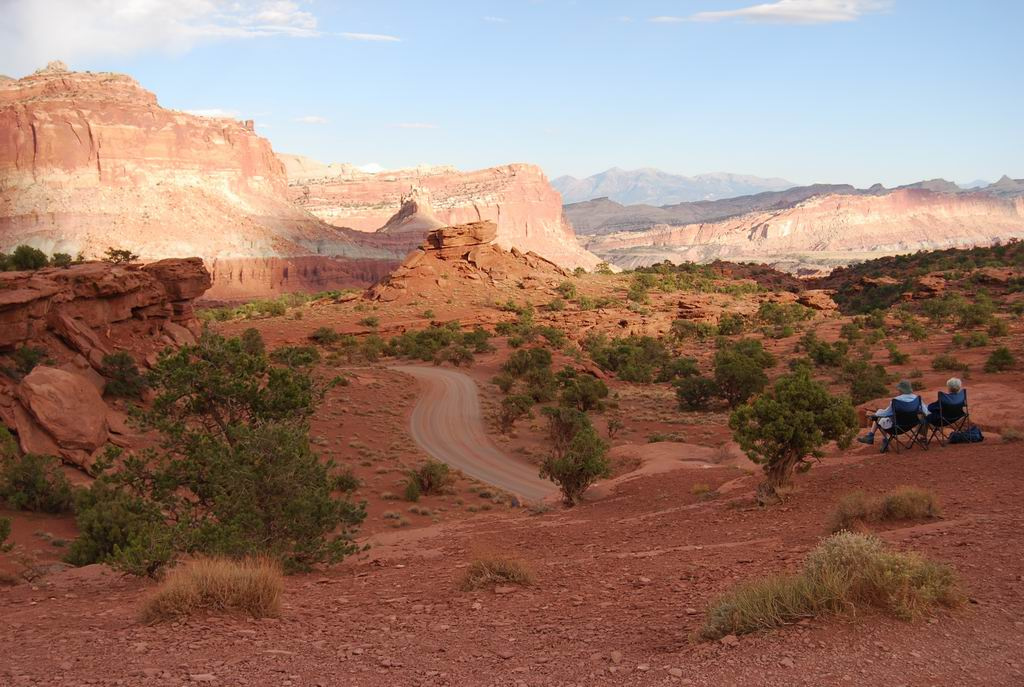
518, 198
90, 160
76, 316
827, 230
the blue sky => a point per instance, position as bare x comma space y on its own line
852, 91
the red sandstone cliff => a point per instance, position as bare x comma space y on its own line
518, 198
90, 160
830, 229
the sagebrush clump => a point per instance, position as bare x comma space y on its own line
251, 587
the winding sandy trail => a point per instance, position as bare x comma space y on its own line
447, 424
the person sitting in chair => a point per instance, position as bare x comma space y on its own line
882, 419
954, 396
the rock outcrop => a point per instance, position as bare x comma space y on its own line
827, 230
518, 198
75, 316
465, 263
90, 160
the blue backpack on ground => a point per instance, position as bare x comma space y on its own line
971, 435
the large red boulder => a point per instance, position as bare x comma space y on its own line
67, 406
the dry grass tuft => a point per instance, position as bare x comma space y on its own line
217, 585
492, 570
857, 509
845, 572
1011, 435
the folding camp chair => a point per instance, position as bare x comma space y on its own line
907, 426
951, 416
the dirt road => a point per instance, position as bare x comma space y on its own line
447, 424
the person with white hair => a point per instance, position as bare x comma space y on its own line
955, 395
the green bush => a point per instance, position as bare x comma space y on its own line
946, 362
694, 393
5, 532
526, 360
566, 290
28, 258
730, 324
584, 392
564, 424
739, 370
252, 342
897, 357
781, 315
998, 328
24, 359
433, 477
61, 260
325, 336
843, 573
790, 423
456, 354
120, 256
824, 353
678, 368
35, 483
685, 330
425, 344
556, 305
295, 356
866, 380
632, 359
234, 474
123, 377
371, 322
576, 468
1000, 360
504, 382
513, 408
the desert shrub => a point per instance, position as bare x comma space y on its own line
504, 382
251, 587
851, 331
554, 336
526, 360
903, 503
295, 356
412, 491
946, 362
897, 357
541, 385
433, 477
119, 256
424, 344
5, 532
8, 446
790, 423
615, 424
456, 354
28, 258
866, 380
61, 260
916, 331
371, 322
494, 570
35, 483
325, 336
730, 324
998, 328
514, 408
844, 572
563, 425
822, 352
603, 268
584, 392
694, 393
678, 368
640, 283
234, 474
632, 359
1012, 435
783, 314
974, 312
556, 305
24, 359
252, 342
566, 290
1000, 360
346, 481
739, 370
579, 466
686, 330
123, 377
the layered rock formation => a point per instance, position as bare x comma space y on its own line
90, 160
464, 263
827, 230
517, 198
76, 316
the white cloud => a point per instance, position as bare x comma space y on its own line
214, 112
495, 20
798, 11
667, 20
381, 37
416, 125
311, 119
371, 168
34, 32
